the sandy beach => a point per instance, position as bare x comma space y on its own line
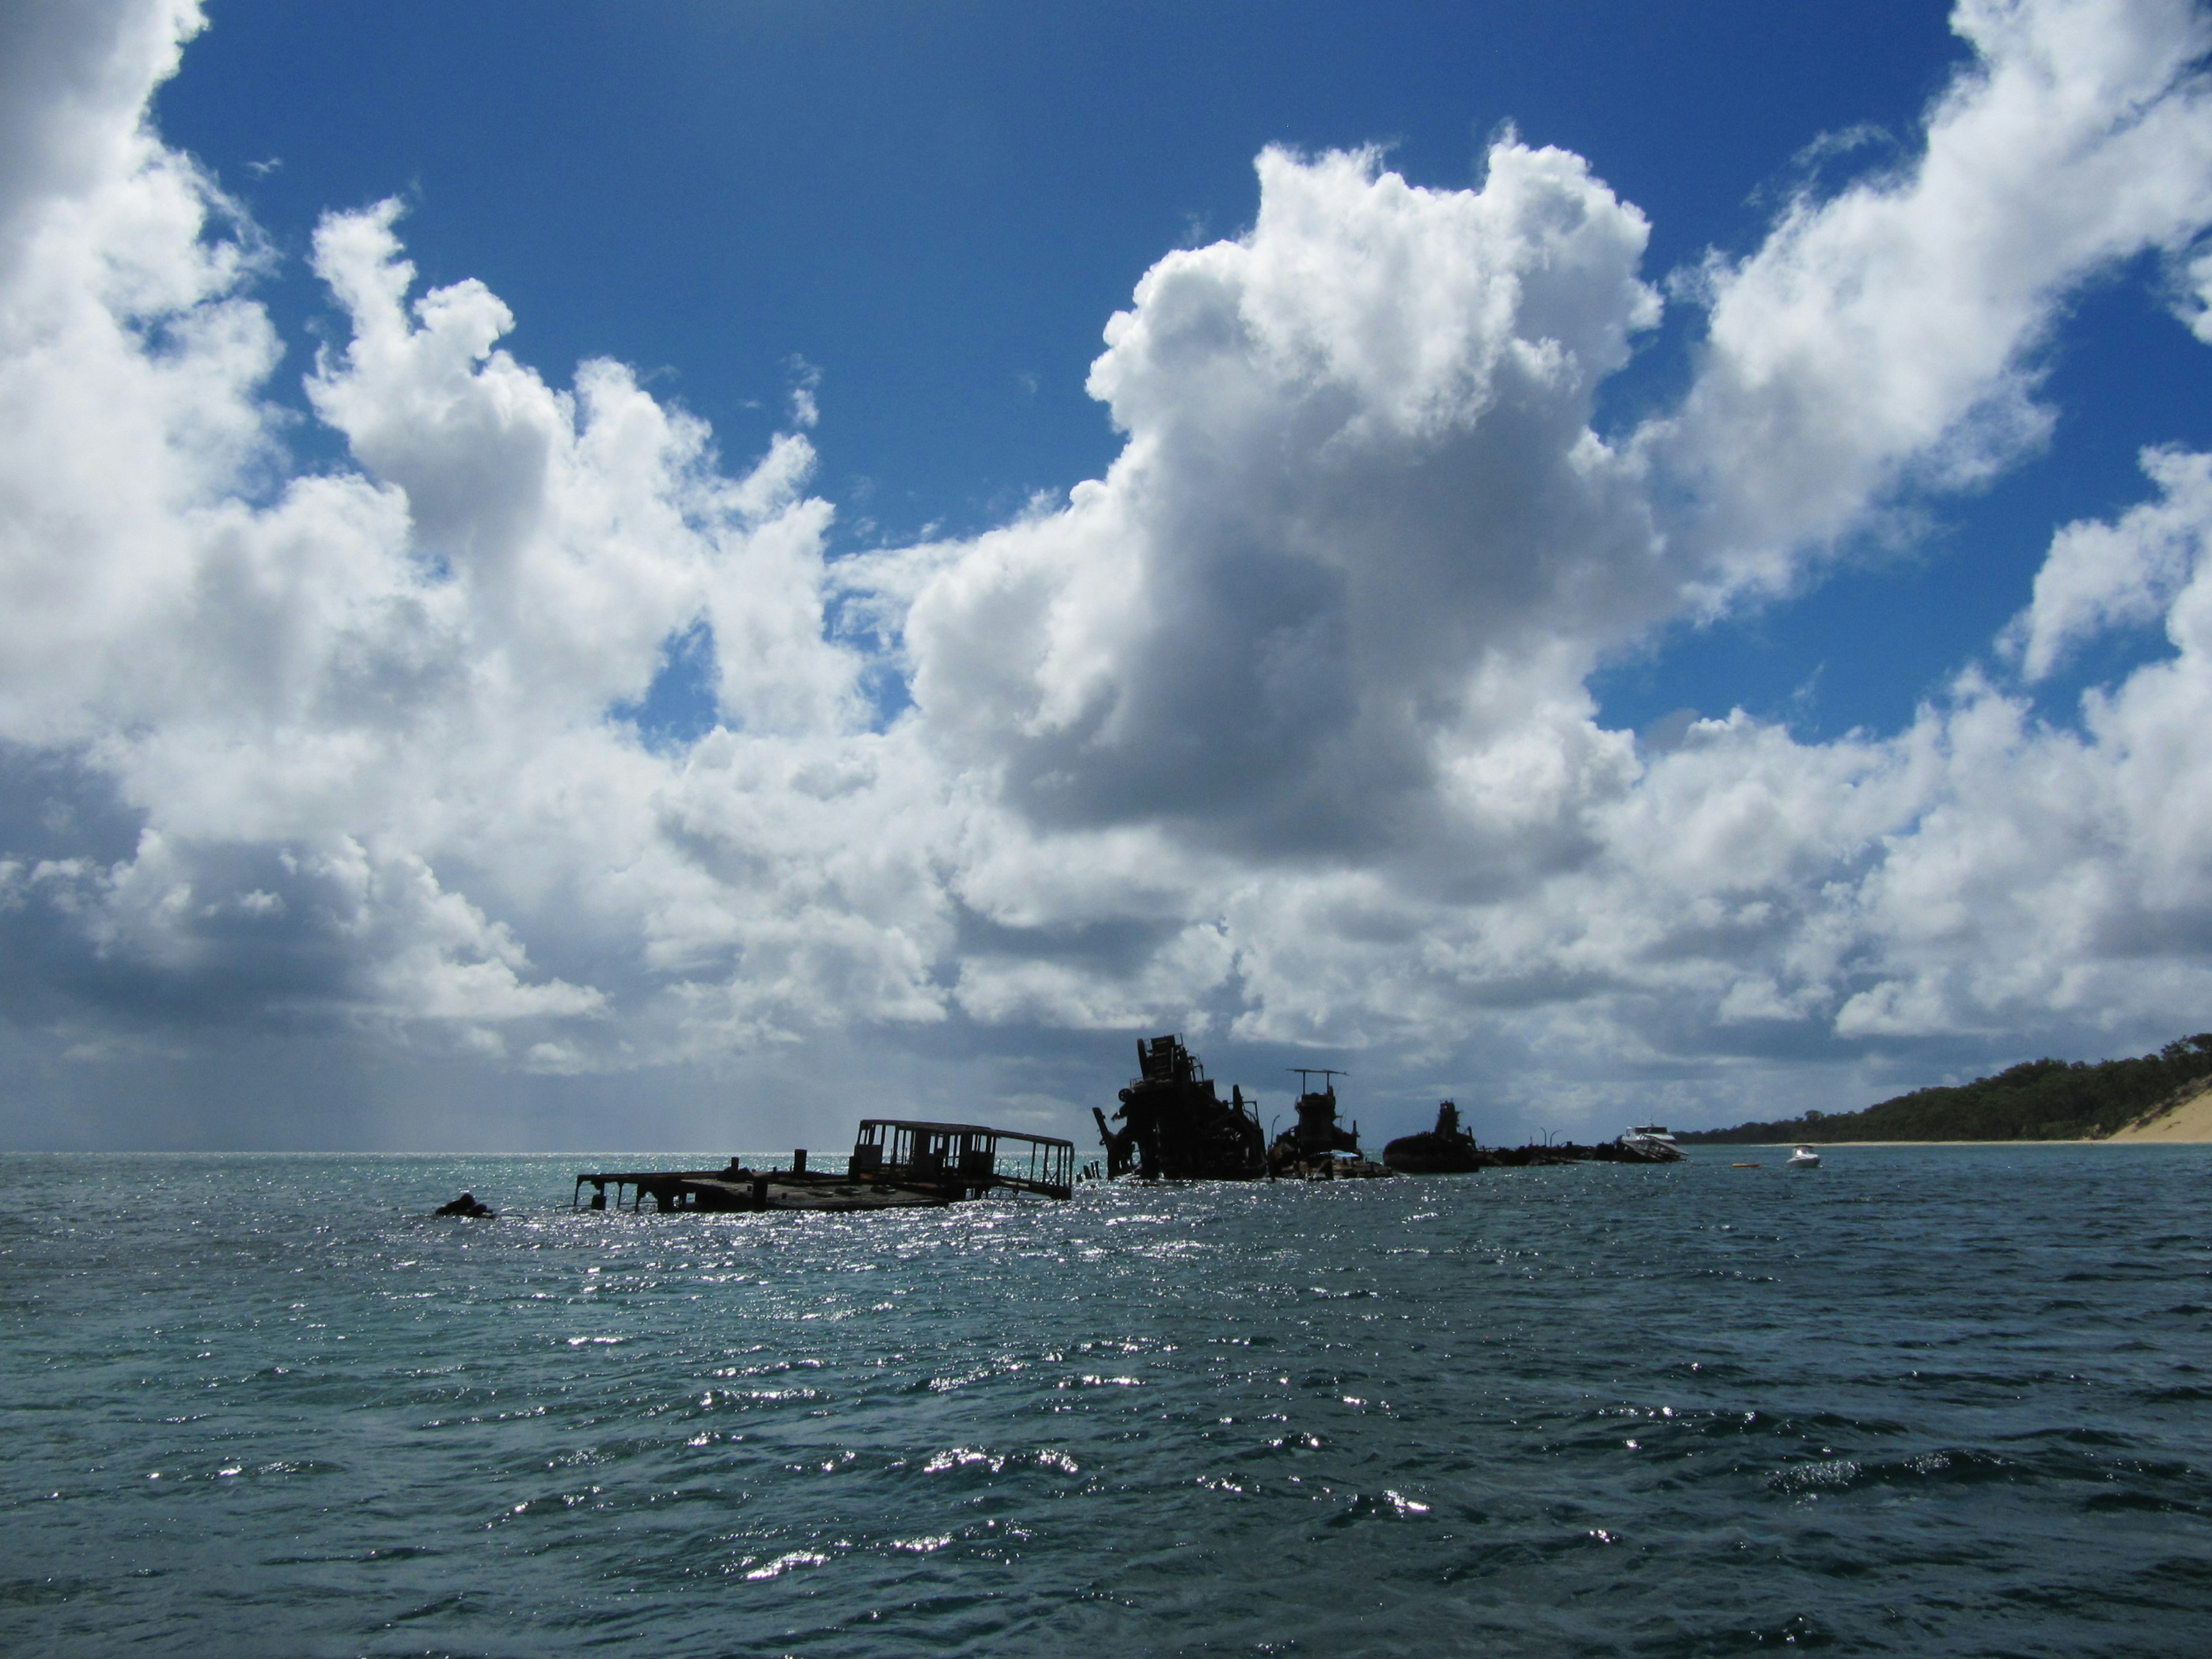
2189, 1119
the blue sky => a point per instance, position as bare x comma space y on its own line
936, 209
939, 206
1405, 701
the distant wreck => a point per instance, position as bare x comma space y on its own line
1627, 1150
1176, 1126
1448, 1149
1445, 1150
1308, 1150
897, 1164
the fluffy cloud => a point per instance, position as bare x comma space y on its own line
1360, 514
381, 682
1281, 727
2099, 576
1888, 334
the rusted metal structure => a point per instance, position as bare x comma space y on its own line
897, 1164
1175, 1125
1316, 1134
1308, 1150
1445, 1150
966, 1156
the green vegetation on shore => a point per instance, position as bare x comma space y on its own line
2038, 1100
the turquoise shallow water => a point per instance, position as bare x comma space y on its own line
1925, 1401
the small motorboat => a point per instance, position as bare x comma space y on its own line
1804, 1158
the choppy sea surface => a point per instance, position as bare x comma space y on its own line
1922, 1401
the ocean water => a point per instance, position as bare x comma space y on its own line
1922, 1401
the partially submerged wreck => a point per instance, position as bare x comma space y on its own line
1568, 1152
1176, 1126
1311, 1149
1308, 1150
1448, 1149
897, 1164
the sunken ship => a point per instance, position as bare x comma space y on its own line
1308, 1150
1448, 1149
1175, 1125
897, 1164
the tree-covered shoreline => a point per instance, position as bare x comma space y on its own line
2037, 1100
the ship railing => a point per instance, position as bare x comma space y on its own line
971, 1155
964, 1158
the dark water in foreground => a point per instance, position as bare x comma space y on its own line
1926, 1400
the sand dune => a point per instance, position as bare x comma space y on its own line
2188, 1116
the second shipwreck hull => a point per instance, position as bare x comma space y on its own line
1445, 1150
1176, 1127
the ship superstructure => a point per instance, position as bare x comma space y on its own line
1175, 1125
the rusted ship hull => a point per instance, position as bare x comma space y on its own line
1445, 1150
1176, 1126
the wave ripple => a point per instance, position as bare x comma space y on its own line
1929, 1401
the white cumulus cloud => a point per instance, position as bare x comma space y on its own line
1281, 729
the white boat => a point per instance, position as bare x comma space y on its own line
1650, 1141
1804, 1158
